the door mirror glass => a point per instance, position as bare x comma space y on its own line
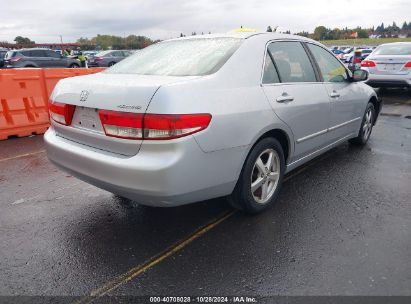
360, 75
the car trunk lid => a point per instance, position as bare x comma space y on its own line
103, 91
389, 64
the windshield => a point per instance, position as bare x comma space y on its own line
187, 57
393, 49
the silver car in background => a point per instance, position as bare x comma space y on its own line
389, 65
202, 117
108, 58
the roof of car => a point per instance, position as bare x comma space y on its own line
397, 43
245, 35
32, 49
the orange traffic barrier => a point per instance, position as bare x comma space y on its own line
24, 97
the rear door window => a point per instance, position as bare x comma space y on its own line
292, 61
36, 53
52, 54
117, 54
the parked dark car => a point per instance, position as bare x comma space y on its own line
2, 54
108, 58
38, 58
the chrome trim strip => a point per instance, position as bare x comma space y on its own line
326, 130
343, 124
321, 149
312, 135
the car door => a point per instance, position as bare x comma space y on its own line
296, 95
39, 57
54, 59
118, 55
346, 97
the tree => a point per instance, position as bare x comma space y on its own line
115, 42
395, 27
303, 33
320, 33
23, 40
269, 29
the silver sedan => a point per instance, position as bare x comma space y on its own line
389, 65
196, 118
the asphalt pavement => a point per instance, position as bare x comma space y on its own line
341, 226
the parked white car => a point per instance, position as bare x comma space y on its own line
389, 65
196, 118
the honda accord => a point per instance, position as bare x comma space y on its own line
196, 118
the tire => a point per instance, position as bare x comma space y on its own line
74, 66
243, 197
366, 126
111, 64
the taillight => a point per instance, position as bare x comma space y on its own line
61, 112
357, 60
408, 64
152, 126
169, 126
368, 64
122, 124
98, 58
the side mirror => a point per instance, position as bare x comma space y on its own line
359, 75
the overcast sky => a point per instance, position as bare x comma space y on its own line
44, 21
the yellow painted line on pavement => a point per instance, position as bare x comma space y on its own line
136, 271
22, 155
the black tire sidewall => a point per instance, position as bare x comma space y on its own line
242, 197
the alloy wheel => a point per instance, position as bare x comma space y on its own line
367, 127
265, 176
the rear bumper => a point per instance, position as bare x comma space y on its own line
178, 174
385, 81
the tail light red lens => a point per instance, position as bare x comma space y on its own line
122, 124
61, 113
152, 126
169, 126
98, 58
357, 60
368, 64
408, 64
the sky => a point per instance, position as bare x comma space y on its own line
45, 21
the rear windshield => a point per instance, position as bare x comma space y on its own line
186, 57
393, 49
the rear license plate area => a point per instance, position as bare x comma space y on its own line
87, 118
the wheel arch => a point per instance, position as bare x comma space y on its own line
377, 106
283, 135
282, 138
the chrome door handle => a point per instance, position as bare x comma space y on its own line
285, 98
334, 94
